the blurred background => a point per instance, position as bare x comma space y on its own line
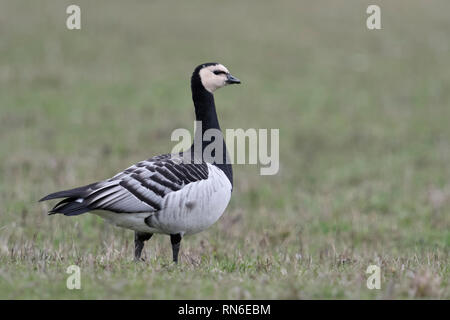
364, 145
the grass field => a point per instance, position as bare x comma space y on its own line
364, 146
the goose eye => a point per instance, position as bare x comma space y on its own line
217, 72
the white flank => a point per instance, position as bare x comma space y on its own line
192, 209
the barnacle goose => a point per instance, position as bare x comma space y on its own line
165, 194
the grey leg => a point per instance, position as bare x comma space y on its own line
139, 238
175, 239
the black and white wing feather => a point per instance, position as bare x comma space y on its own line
140, 188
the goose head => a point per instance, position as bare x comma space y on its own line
214, 76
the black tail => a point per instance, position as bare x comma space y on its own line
77, 192
70, 207
73, 204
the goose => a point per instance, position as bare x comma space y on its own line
165, 194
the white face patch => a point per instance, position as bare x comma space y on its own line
212, 81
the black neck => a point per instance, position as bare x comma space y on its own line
205, 112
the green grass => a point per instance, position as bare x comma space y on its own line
364, 146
